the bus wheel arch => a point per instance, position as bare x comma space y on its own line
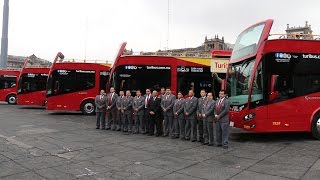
11, 99
315, 125
88, 107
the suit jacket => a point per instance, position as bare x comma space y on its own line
201, 102
154, 106
190, 106
120, 102
167, 103
208, 109
223, 110
101, 102
178, 108
112, 101
138, 104
127, 104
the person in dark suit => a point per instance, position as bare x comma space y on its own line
222, 120
119, 112
167, 103
111, 109
154, 111
207, 114
162, 94
101, 103
200, 119
146, 117
190, 112
179, 121
127, 112
138, 112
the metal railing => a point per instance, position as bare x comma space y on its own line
296, 36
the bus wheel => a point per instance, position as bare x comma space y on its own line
315, 126
12, 99
87, 107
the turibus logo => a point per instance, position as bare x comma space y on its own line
283, 56
310, 56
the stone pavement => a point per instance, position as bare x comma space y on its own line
37, 144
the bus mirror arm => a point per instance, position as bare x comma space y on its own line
223, 84
274, 93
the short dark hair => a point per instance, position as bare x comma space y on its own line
163, 88
168, 88
138, 90
203, 90
180, 92
224, 92
210, 93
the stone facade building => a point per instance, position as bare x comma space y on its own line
304, 32
204, 50
18, 61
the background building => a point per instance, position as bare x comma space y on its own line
300, 32
18, 61
201, 51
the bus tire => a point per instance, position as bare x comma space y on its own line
315, 126
12, 99
88, 107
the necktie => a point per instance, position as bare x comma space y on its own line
111, 98
219, 106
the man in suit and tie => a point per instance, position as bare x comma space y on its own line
146, 117
200, 119
138, 112
222, 120
154, 111
101, 103
111, 109
119, 112
179, 121
127, 112
167, 103
190, 112
207, 114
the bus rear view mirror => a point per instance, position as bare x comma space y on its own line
273, 88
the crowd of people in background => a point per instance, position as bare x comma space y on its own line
201, 119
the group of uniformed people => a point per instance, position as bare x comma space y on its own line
197, 119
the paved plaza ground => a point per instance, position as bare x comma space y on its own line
37, 144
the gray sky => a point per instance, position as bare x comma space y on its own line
44, 27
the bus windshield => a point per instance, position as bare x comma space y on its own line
63, 81
247, 42
30, 82
238, 82
134, 77
7, 81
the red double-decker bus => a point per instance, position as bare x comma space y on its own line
72, 86
135, 72
32, 85
273, 83
8, 85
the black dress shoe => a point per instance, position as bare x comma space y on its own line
183, 138
108, 128
194, 140
119, 129
187, 139
165, 135
97, 127
157, 135
206, 143
225, 147
210, 144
